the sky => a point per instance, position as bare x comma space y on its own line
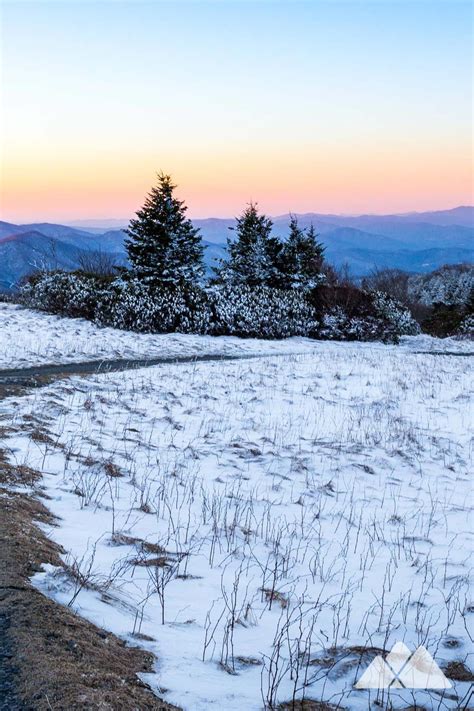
344, 107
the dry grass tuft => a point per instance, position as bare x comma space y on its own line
308, 705
16, 475
275, 596
458, 671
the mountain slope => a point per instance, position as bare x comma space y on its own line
24, 253
349, 237
417, 235
68, 235
361, 261
8, 228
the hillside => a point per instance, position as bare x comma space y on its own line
26, 252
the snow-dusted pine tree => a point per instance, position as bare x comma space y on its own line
164, 248
303, 257
254, 254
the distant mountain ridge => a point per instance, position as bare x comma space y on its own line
462, 215
28, 250
415, 242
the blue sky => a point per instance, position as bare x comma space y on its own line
358, 106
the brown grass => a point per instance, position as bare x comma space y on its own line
458, 671
275, 596
308, 705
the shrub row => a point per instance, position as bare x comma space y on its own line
260, 312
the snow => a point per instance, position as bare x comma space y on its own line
29, 338
337, 477
32, 338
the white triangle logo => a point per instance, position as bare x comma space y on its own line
401, 669
378, 675
398, 657
422, 672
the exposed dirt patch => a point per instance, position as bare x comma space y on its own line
308, 705
275, 596
458, 671
16, 475
51, 659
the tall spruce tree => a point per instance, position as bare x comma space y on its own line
302, 258
254, 253
164, 248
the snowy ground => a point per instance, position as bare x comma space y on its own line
33, 338
278, 513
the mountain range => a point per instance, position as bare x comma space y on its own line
415, 242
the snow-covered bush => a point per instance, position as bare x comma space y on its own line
466, 329
261, 312
131, 305
338, 326
367, 316
395, 315
447, 297
346, 313
120, 303
63, 293
451, 285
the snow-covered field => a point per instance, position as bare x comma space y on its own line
255, 523
33, 338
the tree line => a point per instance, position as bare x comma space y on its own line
265, 287
165, 249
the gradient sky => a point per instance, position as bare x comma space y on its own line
341, 107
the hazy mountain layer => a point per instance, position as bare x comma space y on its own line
416, 242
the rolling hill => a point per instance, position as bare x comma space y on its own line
26, 252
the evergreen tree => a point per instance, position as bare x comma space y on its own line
164, 248
254, 254
302, 258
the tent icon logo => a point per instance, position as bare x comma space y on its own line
403, 670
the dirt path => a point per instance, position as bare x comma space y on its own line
8, 698
461, 354
15, 381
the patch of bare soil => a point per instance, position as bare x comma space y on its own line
458, 671
51, 659
308, 705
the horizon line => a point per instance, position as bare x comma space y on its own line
91, 220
